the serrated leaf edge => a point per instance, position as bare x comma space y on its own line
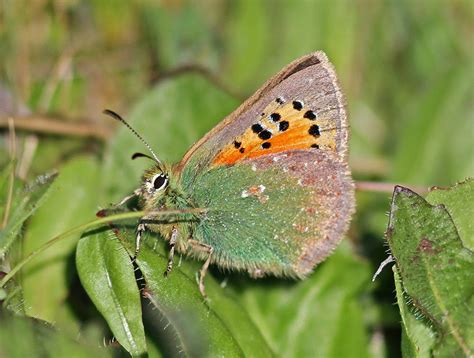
454, 330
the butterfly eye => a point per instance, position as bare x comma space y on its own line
160, 181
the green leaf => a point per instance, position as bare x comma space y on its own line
321, 316
435, 268
11, 297
107, 275
46, 279
25, 203
174, 115
220, 327
417, 337
27, 337
459, 202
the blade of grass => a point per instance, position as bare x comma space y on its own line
88, 226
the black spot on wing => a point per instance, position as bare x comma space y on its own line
283, 126
314, 130
298, 105
310, 115
265, 135
275, 117
257, 128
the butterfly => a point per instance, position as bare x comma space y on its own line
272, 177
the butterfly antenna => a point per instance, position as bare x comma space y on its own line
120, 119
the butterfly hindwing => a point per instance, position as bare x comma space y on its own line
274, 214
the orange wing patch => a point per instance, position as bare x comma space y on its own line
282, 126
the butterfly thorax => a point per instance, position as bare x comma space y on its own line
161, 190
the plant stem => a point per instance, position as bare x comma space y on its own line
379, 187
89, 225
11, 181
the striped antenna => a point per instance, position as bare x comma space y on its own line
120, 119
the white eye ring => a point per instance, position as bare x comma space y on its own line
160, 181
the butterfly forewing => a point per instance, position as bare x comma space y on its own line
310, 80
288, 126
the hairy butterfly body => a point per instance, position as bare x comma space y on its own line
273, 178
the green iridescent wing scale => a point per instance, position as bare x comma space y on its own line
268, 216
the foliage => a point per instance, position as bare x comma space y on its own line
174, 69
435, 270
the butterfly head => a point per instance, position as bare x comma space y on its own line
155, 184
155, 180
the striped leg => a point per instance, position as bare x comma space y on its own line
140, 230
136, 192
199, 246
174, 236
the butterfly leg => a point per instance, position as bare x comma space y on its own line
174, 236
140, 230
199, 246
135, 193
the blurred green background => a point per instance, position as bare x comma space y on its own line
406, 68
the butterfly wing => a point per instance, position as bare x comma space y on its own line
278, 214
274, 174
310, 77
